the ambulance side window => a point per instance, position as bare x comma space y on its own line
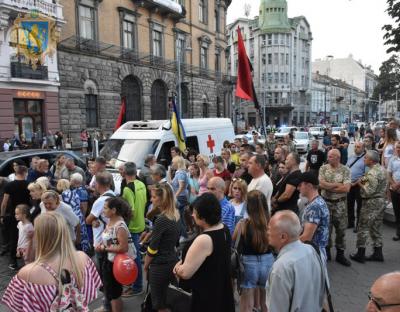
192, 143
165, 152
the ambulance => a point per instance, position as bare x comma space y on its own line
136, 139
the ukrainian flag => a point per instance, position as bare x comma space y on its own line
177, 127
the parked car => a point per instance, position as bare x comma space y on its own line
302, 141
7, 158
379, 125
316, 132
284, 131
337, 130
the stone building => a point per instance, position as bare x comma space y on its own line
28, 96
280, 51
131, 49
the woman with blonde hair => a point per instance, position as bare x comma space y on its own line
37, 284
238, 192
71, 197
36, 190
388, 146
58, 166
161, 254
205, 173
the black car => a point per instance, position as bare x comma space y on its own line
7, 158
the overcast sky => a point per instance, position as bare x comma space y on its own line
339, 27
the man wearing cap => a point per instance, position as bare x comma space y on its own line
335, 182
373, 193
316, 214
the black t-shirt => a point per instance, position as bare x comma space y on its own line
293, 179
19, 194
315, 159
246, 176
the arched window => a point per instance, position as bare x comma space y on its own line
92, 118
159, 100
131, 90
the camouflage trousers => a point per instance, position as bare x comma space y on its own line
338, 219
370, 223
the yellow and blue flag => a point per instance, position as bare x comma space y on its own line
177, 127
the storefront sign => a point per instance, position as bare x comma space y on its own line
30, 94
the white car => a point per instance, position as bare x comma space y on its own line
302, 141
284, 131
379, 125
337, 130
316, 132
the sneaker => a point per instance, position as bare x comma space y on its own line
129, 292
13, 266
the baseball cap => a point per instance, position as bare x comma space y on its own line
309, 177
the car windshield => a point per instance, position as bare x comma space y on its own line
301, 136
118, 151
284, 130
314, 129
336, 129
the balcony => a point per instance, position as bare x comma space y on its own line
168, 8
21, 70
26, 6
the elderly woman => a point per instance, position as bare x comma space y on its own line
36, 285
207, 262
36, 190
51, 202
76, 182
71, 197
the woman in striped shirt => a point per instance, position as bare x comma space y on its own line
35, 287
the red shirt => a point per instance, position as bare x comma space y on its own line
225, 175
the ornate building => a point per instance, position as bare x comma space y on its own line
28, 94
280, 51
132, 48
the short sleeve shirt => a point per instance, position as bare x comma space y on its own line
331, 175
315, 159
180, 175
19, 194
317, 213
394, 168
292, 179
97, 210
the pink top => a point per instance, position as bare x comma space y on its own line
84, 136
203, 184
22, 296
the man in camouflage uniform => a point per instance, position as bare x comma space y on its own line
373, 190
335, 182
270, 145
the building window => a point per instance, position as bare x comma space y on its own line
157, 43
276, 58
203, 58
263, 77
217, 25
128, 34
205, 110
269, 39
87, 22
287, 78
91, 110
203, 7
282, 58
269, 77
276, 39
269, 58
287, 58
276, 77
282, 77
217, 62
181, 48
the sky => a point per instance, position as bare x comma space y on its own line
339, 27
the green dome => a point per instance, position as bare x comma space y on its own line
273, 16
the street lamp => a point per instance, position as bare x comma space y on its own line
180, 47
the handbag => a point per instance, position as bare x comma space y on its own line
178, 300
237, 267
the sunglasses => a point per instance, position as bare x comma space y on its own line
380, 306
236, 179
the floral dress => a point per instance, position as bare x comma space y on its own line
71, 198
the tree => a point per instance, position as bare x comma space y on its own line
389, 79
392, 35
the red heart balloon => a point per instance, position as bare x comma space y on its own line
124, 269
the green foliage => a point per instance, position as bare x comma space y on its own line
389, 79
392, 35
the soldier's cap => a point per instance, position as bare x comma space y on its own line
309, 177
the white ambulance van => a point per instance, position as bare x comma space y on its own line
136, 139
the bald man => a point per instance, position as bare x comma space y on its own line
335, 183
216, 185
297, 265
384, 294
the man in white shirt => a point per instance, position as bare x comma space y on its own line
260, 181
297, 278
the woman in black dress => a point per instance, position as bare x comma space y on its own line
207, 262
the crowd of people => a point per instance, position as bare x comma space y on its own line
180, 222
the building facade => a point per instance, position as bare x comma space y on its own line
135, 55
29, 104
344, 102
355, 74
280, 51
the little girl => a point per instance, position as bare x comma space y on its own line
25, 231
116, 239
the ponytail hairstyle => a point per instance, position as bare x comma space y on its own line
168, 206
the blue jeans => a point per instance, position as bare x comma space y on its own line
256, 270
138, 284
182, 204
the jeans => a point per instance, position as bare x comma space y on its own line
256, 270
182, 204
138, 284
100, 258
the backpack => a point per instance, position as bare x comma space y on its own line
70, 299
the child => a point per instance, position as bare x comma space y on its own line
116, 239
25, 231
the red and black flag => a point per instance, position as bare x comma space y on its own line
244, 84
122, 114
